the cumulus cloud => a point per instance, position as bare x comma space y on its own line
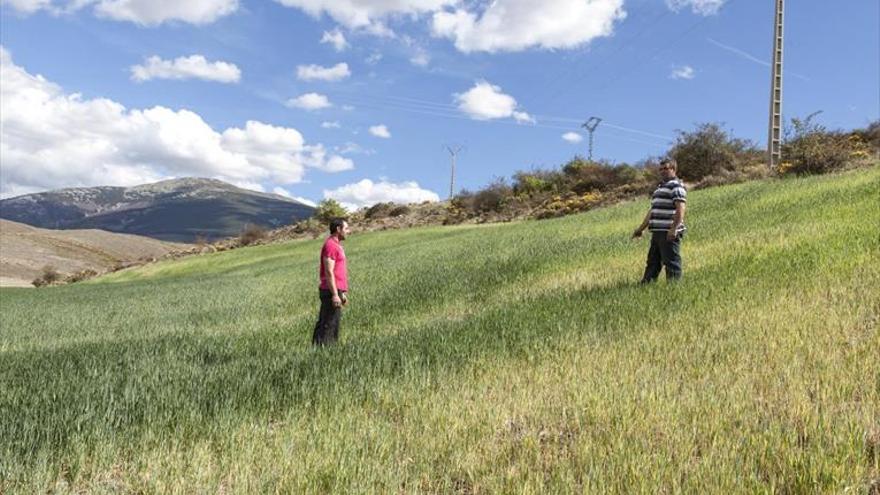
485, 101
515, 25
368, 193
701, 7
335, 38
380, 131
51, 139
319, 73
309, 101
572, 137
683, 72
284, 192
142, 12
192, 67
367, 15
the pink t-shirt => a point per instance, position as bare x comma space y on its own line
333, 249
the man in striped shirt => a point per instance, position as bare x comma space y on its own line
665, 220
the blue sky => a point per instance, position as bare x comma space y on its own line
355, 99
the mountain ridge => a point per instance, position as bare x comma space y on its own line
181, 209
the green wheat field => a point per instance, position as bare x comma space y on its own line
502, 358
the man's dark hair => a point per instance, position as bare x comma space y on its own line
336, 224
671, 162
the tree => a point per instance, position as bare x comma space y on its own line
328, 210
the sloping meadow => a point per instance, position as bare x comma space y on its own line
505, 358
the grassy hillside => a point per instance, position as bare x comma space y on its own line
516, 358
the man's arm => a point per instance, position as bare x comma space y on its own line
677, 219
643, 226
329, 264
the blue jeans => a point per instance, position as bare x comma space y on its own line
663, 253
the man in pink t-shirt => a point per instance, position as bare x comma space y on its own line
333, 286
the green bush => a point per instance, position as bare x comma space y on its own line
493, 197
534, 183
251, 234
709, 150
812, 149
329, 209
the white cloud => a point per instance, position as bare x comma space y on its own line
373, 59
572, 137
305, 201
523, 118
284, 192
335, 38
683, 72
142, 12
330, 125
27, 6
192, 67
350, 148
367, 193
368, 15
486, 102
318, 73
309, 101
51, 139
701, 7
515, 25
380, 131
420, 58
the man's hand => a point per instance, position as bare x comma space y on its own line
637, 233
344, 297
671, 235
337, 302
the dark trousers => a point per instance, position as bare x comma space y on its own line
327, 328
663, 253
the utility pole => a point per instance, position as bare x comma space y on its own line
453, 150
590, 125
774, 134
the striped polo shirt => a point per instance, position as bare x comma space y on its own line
663, 205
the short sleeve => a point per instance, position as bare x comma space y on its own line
679, 194
331, 251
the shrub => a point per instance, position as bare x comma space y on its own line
399, 210
708, 150
378, 210
251, 234
48, 276
535, 183
310, 226
585, 176
811, 149
329, 209
493, 197
80, 276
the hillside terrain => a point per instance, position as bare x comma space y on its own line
180, 210
25, 250
498, 358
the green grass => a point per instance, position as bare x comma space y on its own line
514, 358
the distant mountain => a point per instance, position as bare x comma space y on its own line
172, 210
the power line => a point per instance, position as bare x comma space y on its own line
445, 110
